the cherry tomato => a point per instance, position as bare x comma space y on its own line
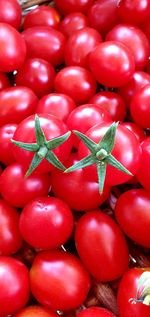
36, 74
139, 132
46, 43
44, 218
143, 174
59, 280
73, 22
10, 236
42, 16
17, 189
10, 12
68, 6
6, 134
112, 63
14, 285
95, 312
13, 48
140, 107
134, 12
16, 103
76, 82
106, 259
36, 311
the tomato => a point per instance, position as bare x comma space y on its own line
46, 43
83, 42
134, 12
69, 6
102, 15
83, 117
132, 214
44, 218
52, 128
139, 132
36, 74
75, 187
140, 107
17, 189
76, 82
36, 311
10, 12
126, 150
16, 103
6, 134
59, 280
106, 259
135, 40
42, 16
60, 105
4, 81
13, 52
14, 285
143, 174
73, 22
10, 237
128, 291
112, 63
95, 312
112, 102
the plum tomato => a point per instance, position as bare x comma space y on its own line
10, 12
6, 134
36, 311
140, 107
73, 22
42, 16
95, 312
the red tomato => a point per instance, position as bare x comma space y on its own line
134, 12
95, 312
140, 107
59, 280
127, 291
112, 102
143, 174
76, 82
36, 311
13, 48
68, 6
14, 285
79, 45
10, 12
44, 218
105, 258
52, 127
42, 16
46, 43
132, 214
6, 134
17, 189
112, 63
16, 103
10, 236
4, 81
139, 133
59, 105
135, 40
73, 22
36, 74
75, 187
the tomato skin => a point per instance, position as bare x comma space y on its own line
83, 42
44, 218
19, 192
132, 214
59, 105
10, 237
76, 82
14, 284
35, 311
69, 6
52, 127
6, 134
42, 16
112, 102
10, 12
96, 225
134, 12
135, 40
59, 280
13, 52
126, 149
112, 63
46, 43
140, 107
73, 22
127, 290
38, 75
139, 132
95, 312
143, 174
16, 103
69, 186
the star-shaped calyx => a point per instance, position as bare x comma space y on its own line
43, 148
100, 155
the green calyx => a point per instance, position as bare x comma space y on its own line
100, 154
143, 290
43, 148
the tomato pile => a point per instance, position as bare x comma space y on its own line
75, 158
